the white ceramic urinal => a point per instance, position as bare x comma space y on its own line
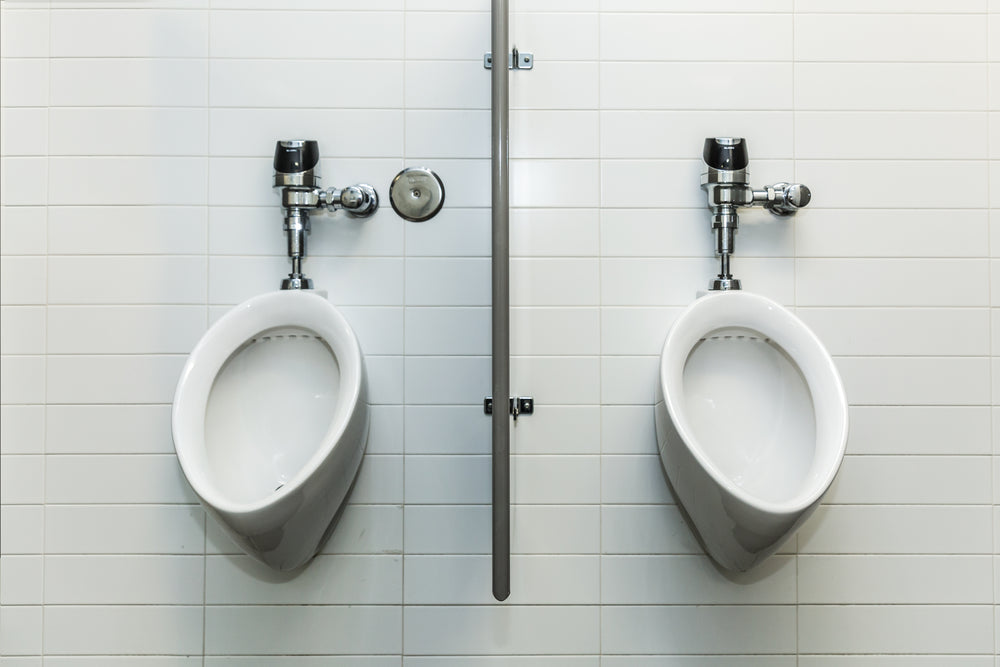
270, 423
751, 422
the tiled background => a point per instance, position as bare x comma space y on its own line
137, 207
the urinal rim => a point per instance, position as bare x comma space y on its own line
724, 309
284, 308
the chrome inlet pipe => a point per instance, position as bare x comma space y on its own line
500, 204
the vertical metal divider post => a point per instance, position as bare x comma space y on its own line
500, 204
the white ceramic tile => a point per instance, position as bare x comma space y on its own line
22, 281
634, 480
132, 629
20, 580
645, 529
22, 479
447, 35
22, 330
21, 631
896, 629
534, 529
896, 661
562, 480
133, 180
685, 580
557, 85
536, 281
146, 230
25, 32
628, 429
628, 380
124, 530
24, 132
919, 430
537, 580
242, 131
915, 380
112, 379
448, 134
461, 84
672, 37
23, 380
461, 232
446, 429
133, 479
554, 183
702, 661
890, 37
280, 84
367, 529
880, 6
554, 331
329, 579
553, 232
650, 232
900, 331
694, 85
446, 380
500, 629
888, 135
137, 34
635, 330
25, 82
359, 35
385, 379
21, 529
22, 230
447, 282
126, 131
890, 86
450, 480
385, 434
380, 480
663, 629
832, 180
891, 282
25, 181
124, 329
345, 630
22, 429
894, 579
158, 82
301, 661
146, 580
890, 233
554, 134
108, 429
492, 661
558, 429
557, 36
653, 281
556, 380
122, 661
918, 529
913, 480
447, 331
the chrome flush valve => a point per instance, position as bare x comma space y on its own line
727, 184
296, 173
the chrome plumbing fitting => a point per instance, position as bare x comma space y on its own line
727, 184
296, 173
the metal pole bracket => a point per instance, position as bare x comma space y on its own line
515, 60
519, 405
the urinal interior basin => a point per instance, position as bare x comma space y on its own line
270, 423
271, 403
751, 423
750, 409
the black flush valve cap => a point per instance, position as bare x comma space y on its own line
727, 153
296, 156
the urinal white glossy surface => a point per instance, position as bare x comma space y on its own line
751, 423
270, 423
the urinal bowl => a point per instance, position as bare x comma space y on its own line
751, 423
270, 423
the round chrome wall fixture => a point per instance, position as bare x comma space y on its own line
416, 194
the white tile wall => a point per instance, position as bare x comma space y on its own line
136, 139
